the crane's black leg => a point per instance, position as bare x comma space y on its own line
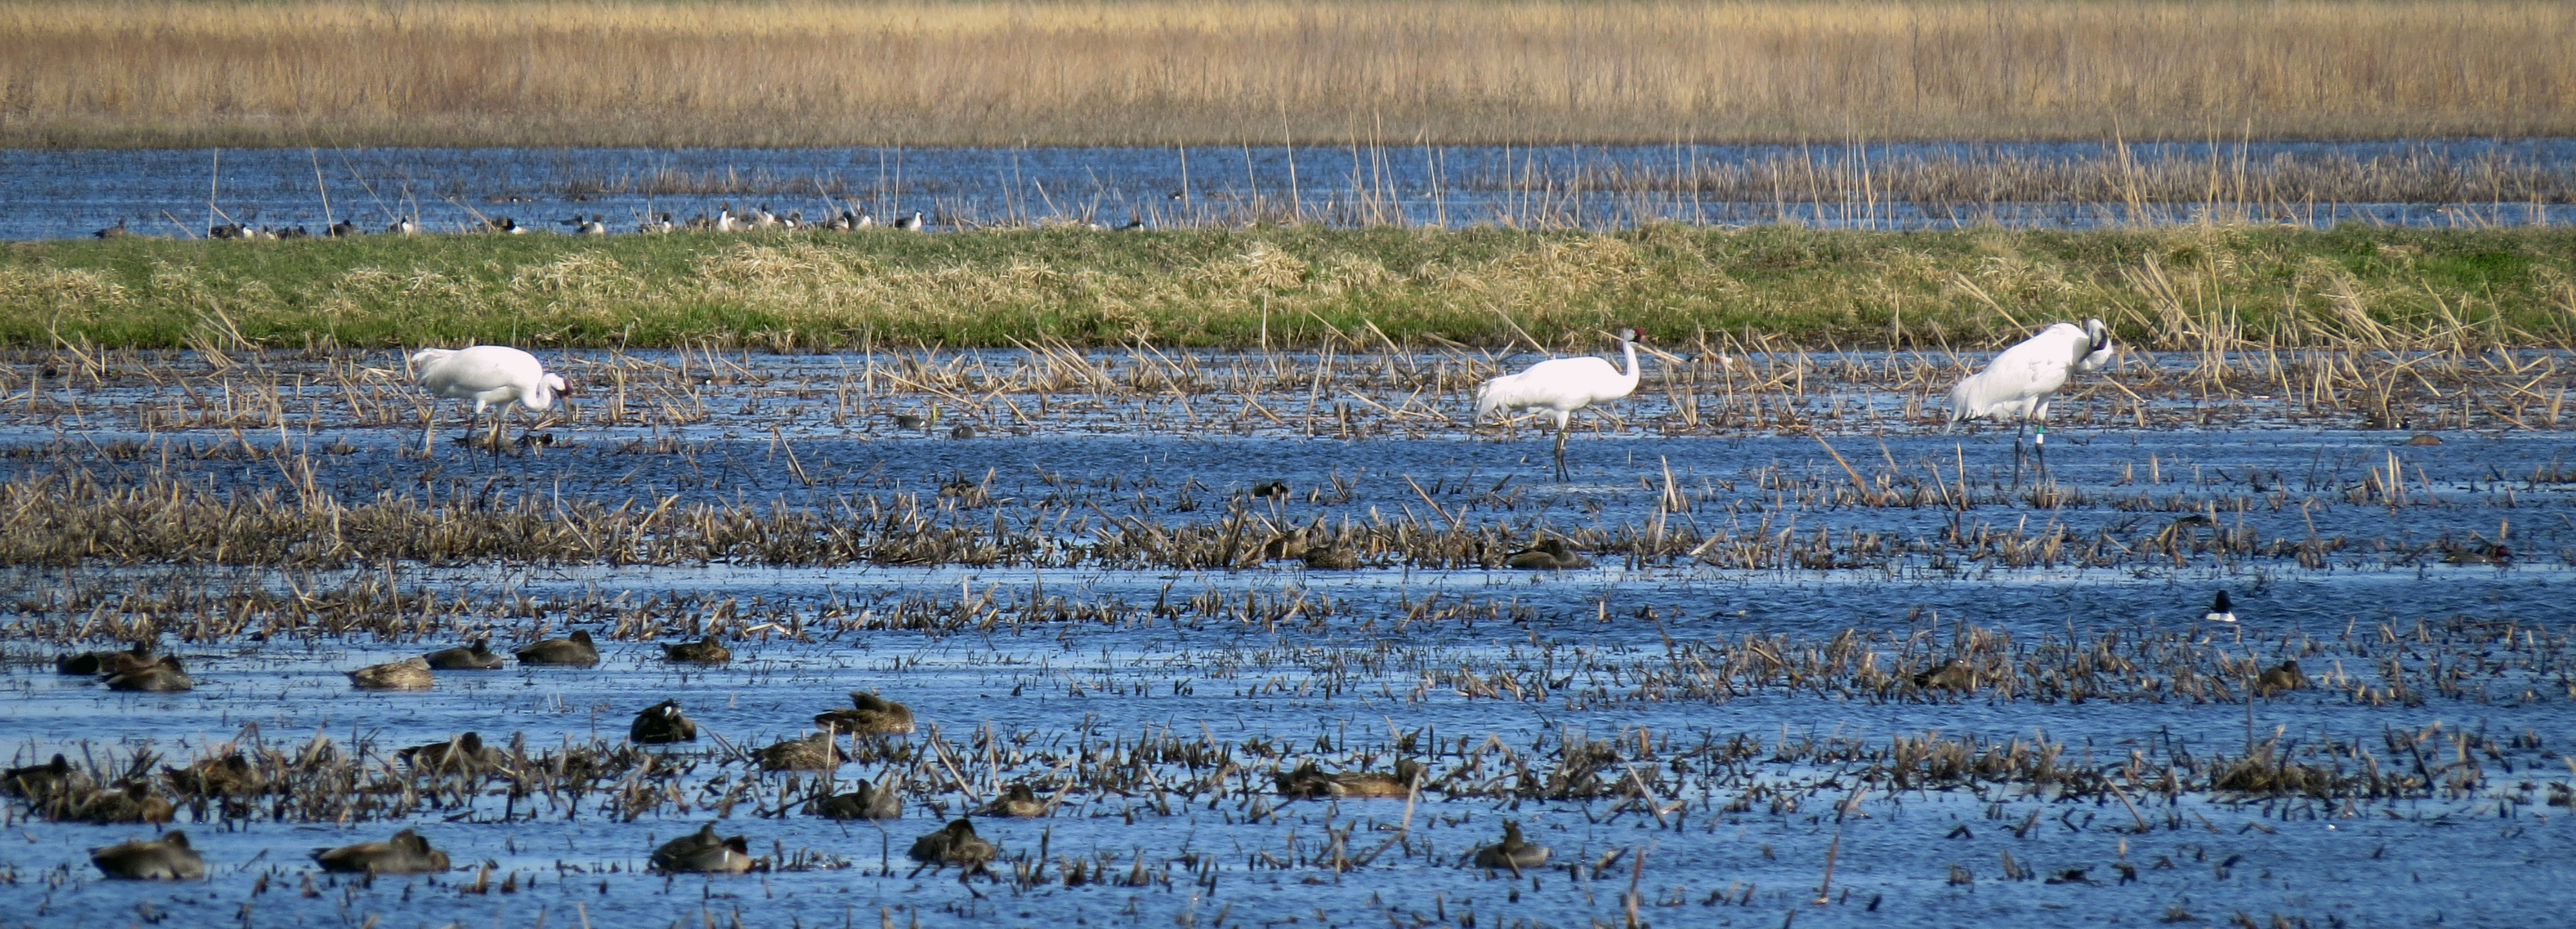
1561, 473
2039, 447
2018, 426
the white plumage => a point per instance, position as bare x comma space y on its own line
1559, 386
2021, 381
489, 375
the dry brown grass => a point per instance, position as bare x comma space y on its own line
1155, 71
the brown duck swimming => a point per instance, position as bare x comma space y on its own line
817, 752
1311, 781
702, 853
2280, 677
476, 657
216, 778
166, 859
882, 801
1511, 854
465, 752
573, 650
957, 844
710, 650
662, 724
1950, 674
135, 802
407, 674
37, 782
1016, 800
162, 676
868, 714
405, 853
101, 662
1548, 554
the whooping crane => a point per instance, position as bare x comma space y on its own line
1560, 386
2022, 380
487, 375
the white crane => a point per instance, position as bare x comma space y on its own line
487, 375
2021, 381
1560, 386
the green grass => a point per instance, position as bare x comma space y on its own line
2170, 287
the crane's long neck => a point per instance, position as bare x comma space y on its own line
1630, 347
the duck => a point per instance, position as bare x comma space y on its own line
404, 226
214, 778
2220, 611
954, 844
408, 674
915, 420
405, 853
117, 231
2280, 677
1330, 558
37, 782
864, 221
476, 657
140, 655
163, 676
864, 801
912, 223
166, 859
659, 222
963, 431
817, 752
1308, 780
1950, 674
573, 650
701, 852
1016, 800
135, 802
1512, 853
662, 724
868, 714
591, 226
710, 650
465, 752
343, 229
1548, 554
1270, 489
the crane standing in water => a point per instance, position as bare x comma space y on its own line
1560, 386
487, 375
2022, 380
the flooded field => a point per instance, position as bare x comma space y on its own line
1243, 627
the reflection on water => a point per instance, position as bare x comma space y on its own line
52, 194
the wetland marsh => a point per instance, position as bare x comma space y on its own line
1827, 665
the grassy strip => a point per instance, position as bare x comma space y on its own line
2171, 287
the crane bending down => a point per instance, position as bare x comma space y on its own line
1560, 386
2022, 380
487, 375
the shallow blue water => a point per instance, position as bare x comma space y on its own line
64, 193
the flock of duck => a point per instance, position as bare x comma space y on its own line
725, 219
56, 788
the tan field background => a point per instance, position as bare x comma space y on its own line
800, 72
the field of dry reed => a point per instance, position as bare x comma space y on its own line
809, 72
